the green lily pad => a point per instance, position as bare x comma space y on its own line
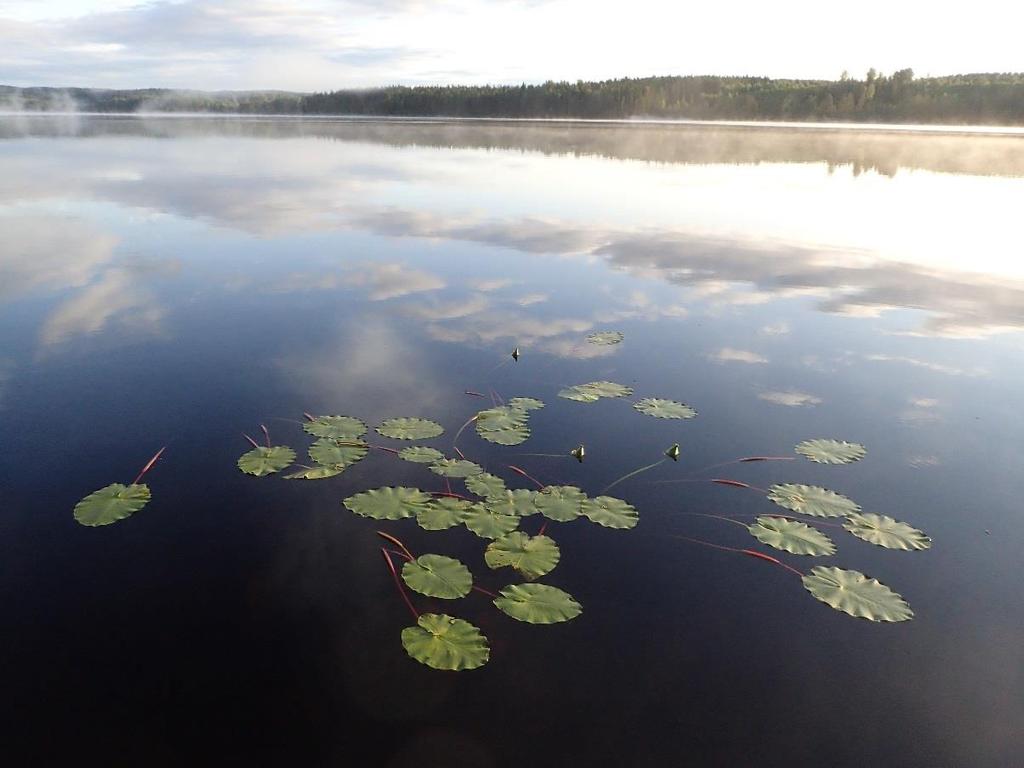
420, 454
500, 418
560, 503
336, 427
532, 556
610, 512
854, 593
811, 500
578, 394
606, 389
331, 453
513, 436
407, 428
886, 532
537, 604
526, 403
110, 504
455, 468
520, 502
487, 524
319, 472
605, 338
444, 642
438, 576
442, 513
388, 503
485, 484
660, 408
792, 536
265, 461
831, 451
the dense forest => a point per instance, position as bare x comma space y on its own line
899, 97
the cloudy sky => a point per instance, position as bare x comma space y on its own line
327, 44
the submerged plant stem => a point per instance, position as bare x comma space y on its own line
523, 472
398, 584
397, 543
457, 434
149, 465
253, 442
484, 591
747, 552
634, 473
266, 434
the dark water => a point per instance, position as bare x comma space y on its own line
177, 282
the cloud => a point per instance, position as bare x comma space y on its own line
730, 355
389, 281
775, 329
791, 398
448, 310
949, 370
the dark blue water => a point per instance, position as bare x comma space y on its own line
178, 282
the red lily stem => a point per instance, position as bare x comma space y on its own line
309, 416
254, 443
447, 485
368, 445
474, 394
743, 460
519, 471
400, 554
457, 434
266, 434
500, 398
398, 584
397, 543
748, 552
543, 528
149, 465
737, 484
458, 451
715, 517
485, 591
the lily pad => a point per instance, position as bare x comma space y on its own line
388, 503
605, 338
442, 513
610, 512
319, 472
537, 603
854, 593
532, 556
331, 453
812, 500
438, 576
444, 642
336, 427
560, 503
660, 408
579, 394
265, 461
886, 532
110, 504
520, 502
455, 468
485, 484
831, 451
487, 524
792, 536
500, 418
420, 454
606, 389
513, 436
408, 428
526, 403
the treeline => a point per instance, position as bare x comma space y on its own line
899, 97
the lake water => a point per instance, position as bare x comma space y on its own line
180, 281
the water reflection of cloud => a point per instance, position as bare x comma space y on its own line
790, 397
390, 281
927, 365
730, 355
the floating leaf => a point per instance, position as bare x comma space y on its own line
526, 403
532, 556
455, 468
442, 513
854, 593
520, 502
579, 395
560, 503
110, 504
438, 576
406, 428
792, 536
388, 503
606, 389
331, 453
811, 500
487, 524
537, 603
500, 418
610, 512
318, 472
660, 408
514, 436
420, 454
831, 451
265, 461
886, 532
485, 484
444, 642
336, 427
605, 338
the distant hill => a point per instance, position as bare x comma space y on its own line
986, 99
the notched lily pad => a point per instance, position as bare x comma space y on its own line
660, 408
791, 536
499, 418
578, 394
409, 428
487, 524
854, 593
485, 484
526, 403
825, 451
420, 454
605, 338
110, 504
318, 472
532, 556
455, 468
513, 436
442, 513
331, 453
560, 503
610, 512
444, 642
811, 500
520, 502
886, 532
537, 604
265, 461
606, 389
336, 427
438, 576
391, 503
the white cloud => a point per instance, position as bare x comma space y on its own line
791, 398
730, 355
389, 281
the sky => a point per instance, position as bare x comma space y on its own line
310, 45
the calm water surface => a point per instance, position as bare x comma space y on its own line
177, 282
